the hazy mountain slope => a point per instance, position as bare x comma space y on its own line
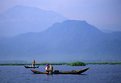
71, 39
22, 19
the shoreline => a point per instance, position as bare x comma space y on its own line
64, 63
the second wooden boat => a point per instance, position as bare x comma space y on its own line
31, 66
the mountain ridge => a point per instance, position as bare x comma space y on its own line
70, 39
22, 19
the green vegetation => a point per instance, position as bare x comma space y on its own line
44, 63
52, 63
78, 63
13, 64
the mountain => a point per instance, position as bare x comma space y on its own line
23, 19
64, 41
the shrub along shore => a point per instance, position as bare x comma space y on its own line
77, 63
44, 63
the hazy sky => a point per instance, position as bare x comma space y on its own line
105, 14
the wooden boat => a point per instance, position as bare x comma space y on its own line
62, 72
26, 66
32, 66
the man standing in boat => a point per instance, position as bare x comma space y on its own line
49, 68
33, 63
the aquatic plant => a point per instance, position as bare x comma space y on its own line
78, 63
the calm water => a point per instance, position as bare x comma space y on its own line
96, 74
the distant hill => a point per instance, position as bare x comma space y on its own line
22, 19
68, 40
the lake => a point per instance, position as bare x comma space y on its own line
96, 74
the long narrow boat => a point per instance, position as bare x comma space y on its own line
26, 66
62, 72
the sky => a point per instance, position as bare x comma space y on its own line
104, 14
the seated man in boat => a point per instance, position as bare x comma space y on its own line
49, 69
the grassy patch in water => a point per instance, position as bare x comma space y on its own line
44, 63
78, 63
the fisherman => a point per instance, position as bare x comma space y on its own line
33, 63
49, 68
